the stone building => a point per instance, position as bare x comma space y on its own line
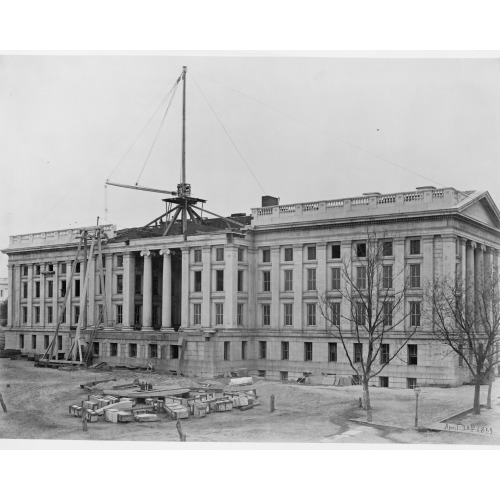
248, 298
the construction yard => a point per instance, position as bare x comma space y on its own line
39, 400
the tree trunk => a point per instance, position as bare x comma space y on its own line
477, 392
366, 401
491, 376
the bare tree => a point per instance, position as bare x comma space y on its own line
466, 317
373, 308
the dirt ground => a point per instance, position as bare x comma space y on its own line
37, 400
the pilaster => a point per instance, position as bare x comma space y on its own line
185, 288
275, 286
128, 291
147, 293
206, 276
298, 272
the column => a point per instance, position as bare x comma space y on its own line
478, 282
321, 278
462, 252
17, 288
297, 286
185, 288
428, 260
469, 275
43, 282
251, 316
275, 286
30, 295
230, 285
128, 291
11, 296
400, 280
109, 289
166, 291
92, 292
55, 294
147, 293
69, 292
206, 276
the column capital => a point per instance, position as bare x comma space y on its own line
482, 248
462, 239
400, 240
472, 244
166, 252
490, 250
145, 253
430, 237
185, 250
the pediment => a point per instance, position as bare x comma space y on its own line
482, 208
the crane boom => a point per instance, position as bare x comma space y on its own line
140, 188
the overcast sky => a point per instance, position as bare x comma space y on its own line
309, 128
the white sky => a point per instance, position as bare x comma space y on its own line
68, 120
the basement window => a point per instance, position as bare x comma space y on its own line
227, 351
113, 349
132, 350
21, 341
262, 373
95, 348
59, 343
284, 376
33, 341
174, 352
383, 381
46, 341
411, 383
153, 350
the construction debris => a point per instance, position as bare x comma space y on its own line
241, 381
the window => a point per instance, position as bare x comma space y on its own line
46, 341
336, 278
288, 254
239, 315
174, 352
414, 247
132, 350
262, 349
266, 314
311, 314
21, 341
219, 280
336, 251
25, 314
311, 253
288, 280
63, 288
412, 354
361, 250
137, 314
219, 254
119, 314
50, 313
101, 284
50, 289
384, 354
243, 349
156, 285
33, 341
308, 351
37, 289
197, 281
119, 260
460, 356
77, 288
240, 281
285, 351
63, 267
113, 349
266, 255
77, 313
156, 316
358, 353
387, 248
266, 281
25, 290
360, 314
411, 383
37, 269
197, 314
227, 347
241, 255
383, 381
361, 277
153, 350
332, 352
414, 313
59, 343
219, 314
288, 314
25, 270
311, 279
284, 376
138, 284
387, 276
261, 373
388, 308
77, 267
197, 255
414, 275
100, 313
119, 284
335, 313
63, 315
37, 314
50, 268
95, 348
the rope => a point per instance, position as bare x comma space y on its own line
227, 133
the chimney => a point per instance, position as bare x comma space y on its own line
270, 201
